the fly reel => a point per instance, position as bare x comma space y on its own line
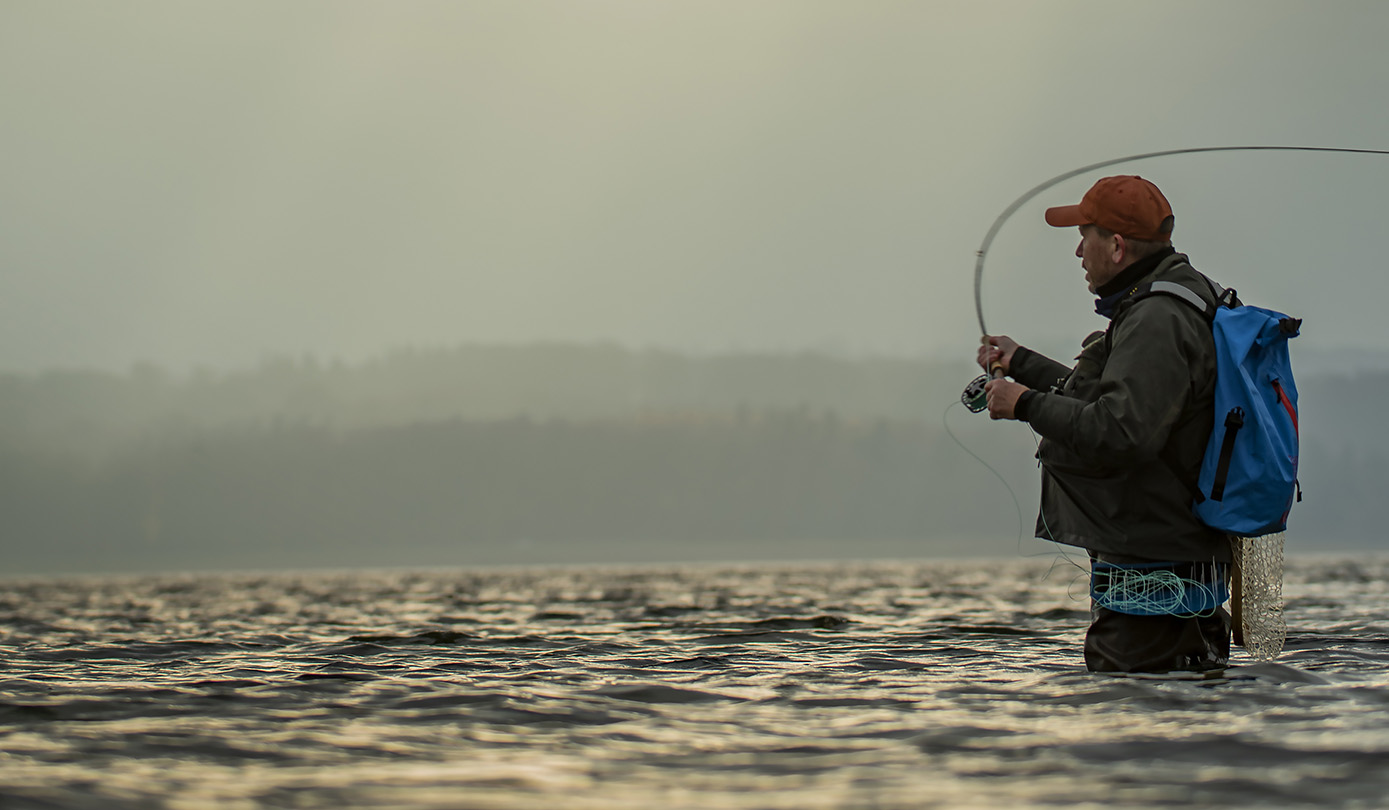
974, 397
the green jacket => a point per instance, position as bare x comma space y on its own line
1124, 432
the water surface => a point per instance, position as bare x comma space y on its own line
884, 685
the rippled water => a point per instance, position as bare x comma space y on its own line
891, 685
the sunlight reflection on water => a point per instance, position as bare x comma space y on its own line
882, 685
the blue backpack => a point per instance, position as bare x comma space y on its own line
1248, 478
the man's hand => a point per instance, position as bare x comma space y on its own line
1002, 397
996, 350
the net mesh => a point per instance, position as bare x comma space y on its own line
1259, 605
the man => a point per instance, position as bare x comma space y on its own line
1123, 435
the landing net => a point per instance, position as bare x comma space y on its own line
1258, 599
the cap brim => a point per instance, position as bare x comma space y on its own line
1065, 216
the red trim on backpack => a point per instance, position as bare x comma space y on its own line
1287, 404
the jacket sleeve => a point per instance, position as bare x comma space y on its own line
1036, 371
1146, 384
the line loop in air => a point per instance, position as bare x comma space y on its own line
1033, 192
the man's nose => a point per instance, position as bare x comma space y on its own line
1080, 249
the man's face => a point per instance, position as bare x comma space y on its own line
1097, 256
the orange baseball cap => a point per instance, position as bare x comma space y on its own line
1126, 204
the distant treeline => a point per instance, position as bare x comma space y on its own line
90, 412
507, 491
728, 457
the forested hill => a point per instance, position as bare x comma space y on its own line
88, 411
547, 454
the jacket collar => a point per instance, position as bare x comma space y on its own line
1107, 297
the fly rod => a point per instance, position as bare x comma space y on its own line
973, 396
1033, 192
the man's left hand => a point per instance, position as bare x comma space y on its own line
1003, 398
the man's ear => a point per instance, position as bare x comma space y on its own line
1119, 249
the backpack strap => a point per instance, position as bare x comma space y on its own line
1223, 297
1177, 290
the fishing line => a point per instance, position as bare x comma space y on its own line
1126, 590
1060, 553
1121, 588
1154, 591
1016, 504
1033, 192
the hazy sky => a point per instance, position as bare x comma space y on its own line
214, 182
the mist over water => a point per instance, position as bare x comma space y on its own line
888, 685
557, 453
